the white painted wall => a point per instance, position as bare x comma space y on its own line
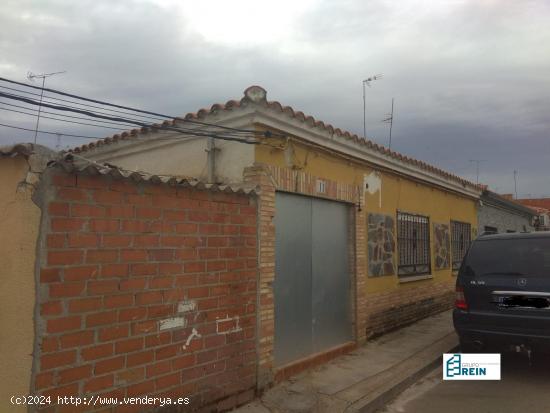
179, 157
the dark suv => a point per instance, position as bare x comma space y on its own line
503, 292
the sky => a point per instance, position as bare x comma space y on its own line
470, 78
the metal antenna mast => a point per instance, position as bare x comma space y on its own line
31, 76
366, 82
516, 183
389, 119
477, 162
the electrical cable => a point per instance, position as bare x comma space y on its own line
98, 138
50, 133
196, 132
60, 120
46, 97
132, 109
101, 116
66, 108
162, 127
58, 114
83, 98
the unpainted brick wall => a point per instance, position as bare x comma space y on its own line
146, 290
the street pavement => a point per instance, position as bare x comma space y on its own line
523, 388
365, 379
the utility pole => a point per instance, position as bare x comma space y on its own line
366, 82
31, 76
516, 183
477, 162
389, 119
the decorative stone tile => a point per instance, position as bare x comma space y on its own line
381, 245
442, 246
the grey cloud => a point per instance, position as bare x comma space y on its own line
471, 81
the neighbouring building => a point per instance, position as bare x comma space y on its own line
354, 239
542, 222
120, 284
542, 207
499, 214
20, 171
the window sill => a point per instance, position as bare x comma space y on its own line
404, 280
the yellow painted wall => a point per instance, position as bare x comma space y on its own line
398, 193
19, 223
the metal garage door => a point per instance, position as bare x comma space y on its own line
312, 276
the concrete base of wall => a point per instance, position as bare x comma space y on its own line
291, 369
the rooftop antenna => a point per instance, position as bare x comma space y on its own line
32, 76
389, 119
477, 162
367, 82
516, 183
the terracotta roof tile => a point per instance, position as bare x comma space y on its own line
75, 163
276, 106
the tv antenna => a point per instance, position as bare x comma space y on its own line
367, 82
389, 119
32, 76
516, 183
477, 162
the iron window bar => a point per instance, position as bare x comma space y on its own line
413, 240
460, 241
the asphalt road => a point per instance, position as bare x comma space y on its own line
522, 389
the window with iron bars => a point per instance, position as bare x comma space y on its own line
460, 241
413, 244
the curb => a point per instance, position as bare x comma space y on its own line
391, 393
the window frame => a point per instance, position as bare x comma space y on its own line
462, 248
418, 231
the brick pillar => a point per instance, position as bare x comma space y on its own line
266, 264
360, 275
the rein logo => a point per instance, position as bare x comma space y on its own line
471, 366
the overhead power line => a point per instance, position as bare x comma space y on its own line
194, 132
136, 110
227, 138
49, 133
70, 109
61, 120
83, 98
61, 115
31, 76
50, 98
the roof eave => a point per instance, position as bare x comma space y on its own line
351, 148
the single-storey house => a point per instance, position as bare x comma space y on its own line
499, 214
354, 239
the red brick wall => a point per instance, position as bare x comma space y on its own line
119, 259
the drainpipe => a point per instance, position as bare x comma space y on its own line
211, 159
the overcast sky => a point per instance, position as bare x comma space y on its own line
470, 78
